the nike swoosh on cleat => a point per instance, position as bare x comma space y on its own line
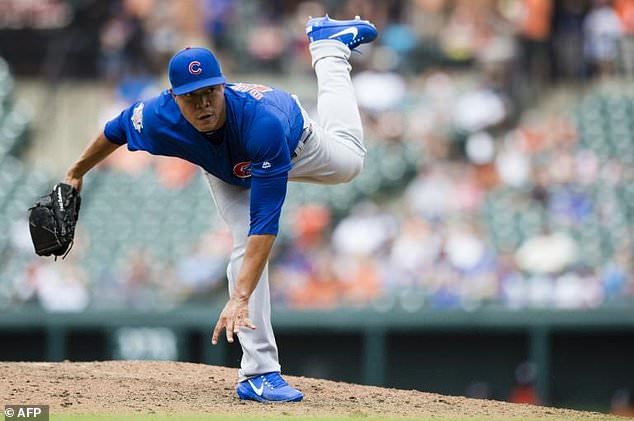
351, 30
258, 391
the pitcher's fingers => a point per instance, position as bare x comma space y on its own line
229, 331
248, 323
217, 330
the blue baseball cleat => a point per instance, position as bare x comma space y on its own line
268, 387
350, 32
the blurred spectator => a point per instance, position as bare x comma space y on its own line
602, 32
365, 231
174, 173
62, 288
320, 290
431, 193
463, 248
616, 274
550, 252
466, 31
524, 389
621, 403
413, 252
122, 40
266, 45
20, 237
126, 162
57, 288
478, 390
567, 40
479, 109
512, 165
361, 280
625, 11
137, 281
202, 270
532, 20
379, 91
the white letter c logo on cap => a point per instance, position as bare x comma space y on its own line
194, 67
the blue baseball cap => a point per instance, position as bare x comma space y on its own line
194, 68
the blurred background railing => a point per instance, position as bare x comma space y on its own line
499, 177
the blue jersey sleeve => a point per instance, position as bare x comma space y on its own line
127, 127
267, 147
270, 163
115, 128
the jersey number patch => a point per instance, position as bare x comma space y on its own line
256, 91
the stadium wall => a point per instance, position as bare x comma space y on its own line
581, 357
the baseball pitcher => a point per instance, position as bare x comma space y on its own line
250, 140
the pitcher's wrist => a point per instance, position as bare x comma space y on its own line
240, 295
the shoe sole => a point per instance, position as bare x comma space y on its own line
262, 400
253, 397
319, 28
340, 25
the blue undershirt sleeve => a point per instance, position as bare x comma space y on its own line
267, 198
270, 162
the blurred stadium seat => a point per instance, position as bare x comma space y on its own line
451, 216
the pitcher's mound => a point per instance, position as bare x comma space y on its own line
125, 387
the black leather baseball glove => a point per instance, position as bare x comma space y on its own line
53, 219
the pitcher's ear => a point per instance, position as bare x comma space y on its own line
171, 92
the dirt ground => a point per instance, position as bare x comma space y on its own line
124, 387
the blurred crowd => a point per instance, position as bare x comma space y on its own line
463, 79
519, 45
435, 246
468, 83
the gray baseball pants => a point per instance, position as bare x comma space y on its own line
332, 154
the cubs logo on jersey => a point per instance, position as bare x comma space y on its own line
242, 169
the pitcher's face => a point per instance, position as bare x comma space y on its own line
204, 108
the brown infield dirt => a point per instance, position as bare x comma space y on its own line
142, 387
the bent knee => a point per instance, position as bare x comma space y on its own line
353, 168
